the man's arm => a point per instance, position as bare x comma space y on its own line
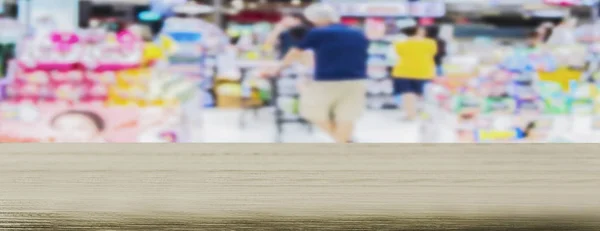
295, 53
274, 37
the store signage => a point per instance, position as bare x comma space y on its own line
388, 8
571, 2
429, 9
49, 15
372, 9
550, 13
193, 9
164, 6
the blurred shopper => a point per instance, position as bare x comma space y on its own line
545, 31
416, 66
434, 33
336, 98
535, 39
297, 35
307, 63
564, 33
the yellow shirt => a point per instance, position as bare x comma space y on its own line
416, 59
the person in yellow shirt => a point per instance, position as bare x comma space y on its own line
415, 67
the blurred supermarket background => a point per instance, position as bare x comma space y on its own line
191, 71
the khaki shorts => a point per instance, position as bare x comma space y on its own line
333, 100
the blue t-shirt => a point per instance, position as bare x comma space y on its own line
286, 42
341, 52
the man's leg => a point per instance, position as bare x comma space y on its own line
328, 127
344, 132
348, 110
315, 106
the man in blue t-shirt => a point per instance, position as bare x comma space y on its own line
336, 98
280, 37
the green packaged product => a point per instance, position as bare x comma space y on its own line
463, 102
556, 105
499, 104
581, 106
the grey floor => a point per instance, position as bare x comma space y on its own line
376, 126
221, 126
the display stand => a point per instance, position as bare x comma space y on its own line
108, 92
287, 92
523, 86
248, 104
284, 97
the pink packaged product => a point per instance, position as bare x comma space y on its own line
123, 53
21, 92
71, 76
129, 41
95, 92
32, 77
58, 51
67, 92
64, 42
92, 36
101, 77
11, 93
28, 90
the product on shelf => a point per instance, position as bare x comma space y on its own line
526, 85
99, 90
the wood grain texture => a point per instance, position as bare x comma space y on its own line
300, 187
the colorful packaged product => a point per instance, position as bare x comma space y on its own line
499, 105
136, 76
117, 52
553, 96
3, 91
463, 102
95, 92
59, 51
535, 106
498, 135
82, 123
597, 101
72, 76
582, 98
28, 92
68, 92
101, 77
582, 106
556, 104
33, 77
10, 92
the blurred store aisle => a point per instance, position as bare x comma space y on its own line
221, 126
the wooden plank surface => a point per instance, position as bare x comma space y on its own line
400, 187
